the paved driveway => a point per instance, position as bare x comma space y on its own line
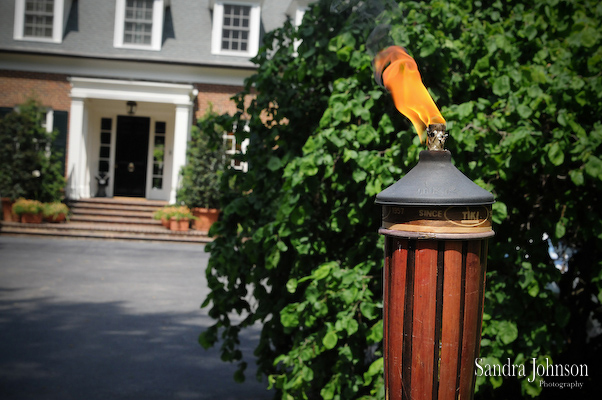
88, 319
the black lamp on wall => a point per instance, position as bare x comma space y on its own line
131, 106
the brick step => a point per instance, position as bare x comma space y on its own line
113, 219
112, 212
93, 207
103, 231
123, 201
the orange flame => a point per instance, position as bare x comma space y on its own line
399, 74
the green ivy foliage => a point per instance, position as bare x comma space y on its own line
30, 167
297, 249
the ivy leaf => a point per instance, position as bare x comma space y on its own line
330, 340
593, 167
577, 177
291, 285
368, 310
501, 85
555, 154
507, 332
499, 212
560, 230
274, 164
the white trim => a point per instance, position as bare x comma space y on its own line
120, 69
157, 35
77, 167
254, 27
153, 92
59, 19
183, 122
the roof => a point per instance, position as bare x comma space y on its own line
90, 27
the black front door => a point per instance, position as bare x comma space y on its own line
131, 156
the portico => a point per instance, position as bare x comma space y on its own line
140, 151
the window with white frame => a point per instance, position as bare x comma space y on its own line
139, 24
233, 148
40, 20
236, 28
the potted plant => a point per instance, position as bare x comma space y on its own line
164, 215
180, 219
30, 211
200, 189
7, 209
55, 212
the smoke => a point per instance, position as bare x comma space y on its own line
375, 12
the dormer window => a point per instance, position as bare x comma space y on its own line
40, 20
138, 27
236, 28
139, 24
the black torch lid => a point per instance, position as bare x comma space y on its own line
434, 181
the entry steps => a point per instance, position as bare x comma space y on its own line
109, 218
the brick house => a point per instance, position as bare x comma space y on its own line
123, 80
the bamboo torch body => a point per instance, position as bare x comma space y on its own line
436, 224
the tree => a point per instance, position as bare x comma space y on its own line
297, 249
30, 168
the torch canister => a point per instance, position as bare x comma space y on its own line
436, 224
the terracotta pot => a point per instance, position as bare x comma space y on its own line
56, 218
7, 209
31, 218
179, 226
165, 222
205, 218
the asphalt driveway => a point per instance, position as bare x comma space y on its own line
88, 319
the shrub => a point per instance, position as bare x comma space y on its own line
205, 161
29, 167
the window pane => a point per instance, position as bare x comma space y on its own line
105, 152
105, 124
159, 127
103, 166
236, 23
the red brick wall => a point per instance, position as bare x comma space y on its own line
52, 90
217, 95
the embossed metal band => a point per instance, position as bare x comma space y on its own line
438, 219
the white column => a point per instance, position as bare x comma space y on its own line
76, 150
181, 133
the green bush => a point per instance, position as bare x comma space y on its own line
29, 167
205, 161
297, 249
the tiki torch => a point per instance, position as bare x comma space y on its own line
436, 223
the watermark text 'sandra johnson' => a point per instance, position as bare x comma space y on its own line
533, 371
